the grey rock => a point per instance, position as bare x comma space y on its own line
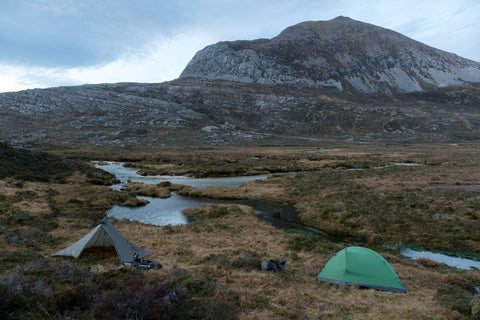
316, 81
340, 53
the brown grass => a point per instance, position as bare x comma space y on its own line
30, 198
273, 191
149, 190
212, 246
293, 293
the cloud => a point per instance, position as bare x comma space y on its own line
445, 25
71, 33
10, 79
66, 42
161, 60
19, 77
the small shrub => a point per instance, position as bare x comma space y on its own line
247, 260
164, 184
475, 307
169, 229
134, 202
260, 301
24, 195
304, 241
21, 218
180, 295
16, 183
11, 259
457, 292
74, 297
218, 211
199, 285
219, 260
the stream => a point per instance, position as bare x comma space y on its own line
459, 263
169, 211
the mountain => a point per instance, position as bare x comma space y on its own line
316, 81
342, 53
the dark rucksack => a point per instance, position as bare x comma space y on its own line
273, 265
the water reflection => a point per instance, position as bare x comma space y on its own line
159, 211
169, 210
125, 174
408, 164
459, 263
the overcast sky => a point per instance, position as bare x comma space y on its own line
47, 43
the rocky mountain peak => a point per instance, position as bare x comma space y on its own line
326, 30
198, 109
342, 53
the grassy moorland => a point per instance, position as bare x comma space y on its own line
354, 194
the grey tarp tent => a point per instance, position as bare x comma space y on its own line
105, 235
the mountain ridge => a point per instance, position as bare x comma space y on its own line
196, 112
342, 53
203, 111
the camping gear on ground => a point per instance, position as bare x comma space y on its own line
105, 235
273, 265
363, 267
143, 263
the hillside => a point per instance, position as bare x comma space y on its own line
31, 166
340, 80
211, 268
341, 53
213, 112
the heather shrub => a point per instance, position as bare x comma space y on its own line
456, 292
59, 288
180, 295
247, 260
26, 165
23, 295
11, 259
304, 241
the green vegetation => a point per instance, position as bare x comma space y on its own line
32, 166
160, 190
48, 288
25, 165
217, 162
434, 217
353, 194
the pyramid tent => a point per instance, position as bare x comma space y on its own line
105, 235
362, 267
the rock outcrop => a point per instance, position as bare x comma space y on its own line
313, 82
340, 53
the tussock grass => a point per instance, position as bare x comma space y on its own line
148, 190
227, 234
212, 266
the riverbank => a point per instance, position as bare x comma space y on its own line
358, 191
211, 265
228, 243
171, 211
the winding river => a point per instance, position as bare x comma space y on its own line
169, 211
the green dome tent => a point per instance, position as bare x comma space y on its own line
362, 267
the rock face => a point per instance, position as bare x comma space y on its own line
312, 83
192, 112
340, 53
